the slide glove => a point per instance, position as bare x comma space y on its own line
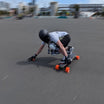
32, 58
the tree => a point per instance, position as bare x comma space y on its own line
31, 9
4, 13
23, 9
76, 12
102, 14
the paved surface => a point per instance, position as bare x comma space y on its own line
39, 83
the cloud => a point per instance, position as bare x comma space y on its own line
96, 1
41, 3
13, 3
44, 3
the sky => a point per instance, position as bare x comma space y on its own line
45, 3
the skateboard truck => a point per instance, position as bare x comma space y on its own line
65, 66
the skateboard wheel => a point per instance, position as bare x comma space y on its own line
77, 57
57, 67
67, 69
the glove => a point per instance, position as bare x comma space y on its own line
32, 58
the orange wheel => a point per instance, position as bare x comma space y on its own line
67, 69
77, 57
57, 67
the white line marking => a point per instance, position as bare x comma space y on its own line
5, 77
75, 97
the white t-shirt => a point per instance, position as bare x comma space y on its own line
56, 35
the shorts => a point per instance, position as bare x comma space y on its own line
66, 39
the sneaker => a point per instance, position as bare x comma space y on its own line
63, 61
70, 49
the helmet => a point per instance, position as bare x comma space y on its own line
44, 36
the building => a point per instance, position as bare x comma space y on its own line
88, 7
44, 11
55, 7
22, 8
4, 6
62, 7
35, 7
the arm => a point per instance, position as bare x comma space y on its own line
62, 49
32, 58
40, 49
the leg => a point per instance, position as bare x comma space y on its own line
65, 41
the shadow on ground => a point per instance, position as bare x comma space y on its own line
41, 61
48, 62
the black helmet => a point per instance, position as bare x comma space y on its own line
44, 36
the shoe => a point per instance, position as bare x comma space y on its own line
65, 60
70, 50
62, 61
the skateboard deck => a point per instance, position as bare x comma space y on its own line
66, 67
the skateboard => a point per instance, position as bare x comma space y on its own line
66, 67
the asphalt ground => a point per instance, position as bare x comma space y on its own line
38, 82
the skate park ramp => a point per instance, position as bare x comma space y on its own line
38, 83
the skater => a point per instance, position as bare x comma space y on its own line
57, 43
